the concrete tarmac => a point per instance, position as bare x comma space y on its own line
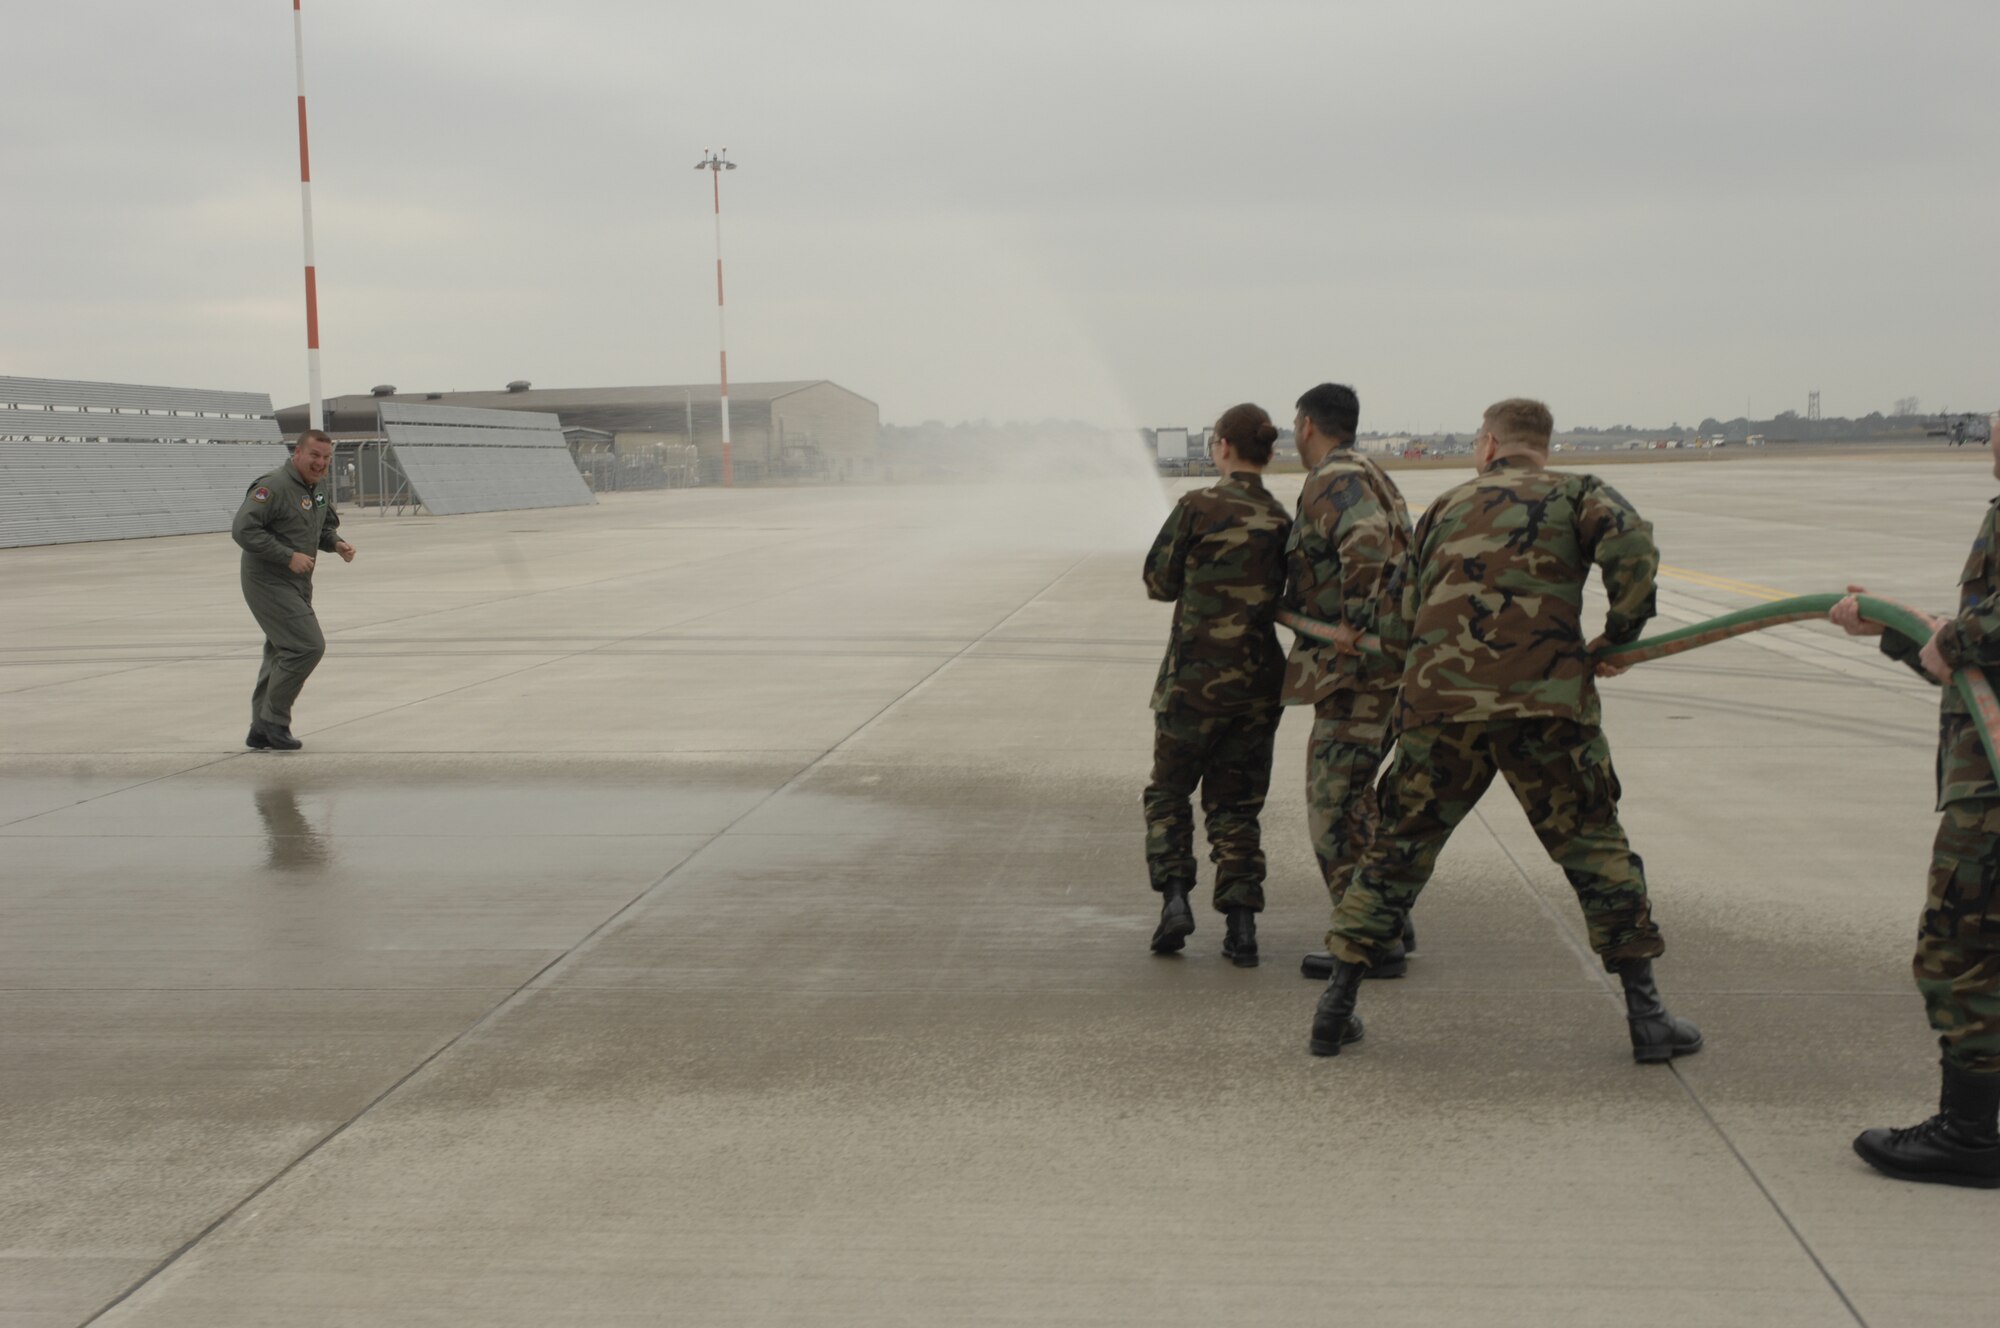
727, 908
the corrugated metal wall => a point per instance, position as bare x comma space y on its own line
463, 460
97, 461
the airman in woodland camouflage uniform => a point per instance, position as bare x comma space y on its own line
1221, 559
1349, 540
1498, 680
286, 520
1957, 962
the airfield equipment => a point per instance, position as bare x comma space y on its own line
1959, 430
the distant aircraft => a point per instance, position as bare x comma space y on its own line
1958, 430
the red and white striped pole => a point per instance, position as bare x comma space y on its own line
716, 163
313, 407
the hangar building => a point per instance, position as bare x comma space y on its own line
778, 430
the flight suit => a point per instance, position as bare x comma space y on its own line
282, 515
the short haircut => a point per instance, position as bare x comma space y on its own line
1249, 430
1333, 409
314, 436
1521, 422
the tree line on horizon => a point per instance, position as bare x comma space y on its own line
1786, 426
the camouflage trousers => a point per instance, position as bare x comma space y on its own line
1229, 758
1350, 736
1957, 964
1560, 772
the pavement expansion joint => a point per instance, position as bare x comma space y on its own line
554, 968
1579, 946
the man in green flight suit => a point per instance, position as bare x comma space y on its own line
1347, 547
1497, 679
1957, 963
286, 519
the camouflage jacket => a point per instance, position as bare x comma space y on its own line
1347, 548
1221, 558
1492, 605
1973, 637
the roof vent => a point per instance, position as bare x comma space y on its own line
383, 390
519, 385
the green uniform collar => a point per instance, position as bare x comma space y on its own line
1345, 452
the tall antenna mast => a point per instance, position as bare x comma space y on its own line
716, 163
315, 412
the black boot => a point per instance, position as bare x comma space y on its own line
278, 737
1393, 964
1239, 946
266, 736
1656, 1035
1176, 922
1958, 1146
1334, 1023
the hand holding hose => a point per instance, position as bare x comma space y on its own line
1847, 611
1933, 659
1847, 616
1604, 668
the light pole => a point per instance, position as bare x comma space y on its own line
715, 163
313, 408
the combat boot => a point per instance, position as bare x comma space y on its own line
1394, 963
1334, 1023
277, 737
257, 742
1239, 946
1656, 1035
1176, 922
1958, 1146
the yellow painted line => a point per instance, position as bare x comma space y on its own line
1727, 586
1729, 583
1718, 582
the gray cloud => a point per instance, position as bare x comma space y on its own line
1104, 208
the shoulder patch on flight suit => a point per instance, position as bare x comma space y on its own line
260, 494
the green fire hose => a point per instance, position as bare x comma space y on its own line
1900, 618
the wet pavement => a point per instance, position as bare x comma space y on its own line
728, 908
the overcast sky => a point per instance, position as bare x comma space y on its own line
1129, 211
